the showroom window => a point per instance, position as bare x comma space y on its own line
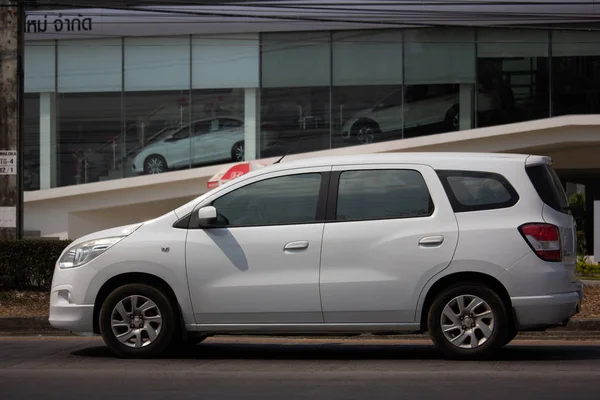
295, 93
439, 78
225, 81
380, 194
276, 201
367, 92
31, 145
513, 76
575, 72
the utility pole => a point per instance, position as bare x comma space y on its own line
12, 16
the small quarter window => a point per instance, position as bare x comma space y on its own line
477, 191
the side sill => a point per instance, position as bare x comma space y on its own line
306, 328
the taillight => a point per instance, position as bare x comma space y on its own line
544, 239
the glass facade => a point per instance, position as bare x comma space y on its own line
100, 109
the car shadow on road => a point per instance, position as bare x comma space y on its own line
363, 351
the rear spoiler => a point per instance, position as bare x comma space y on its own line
537, 160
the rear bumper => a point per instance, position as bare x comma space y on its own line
538, 312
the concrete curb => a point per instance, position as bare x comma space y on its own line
591, 283
41, 326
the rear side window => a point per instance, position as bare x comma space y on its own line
477, 191
548, 186
382, 194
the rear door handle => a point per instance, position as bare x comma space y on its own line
431, 241
299, 245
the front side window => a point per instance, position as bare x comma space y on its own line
283, 200
382, 194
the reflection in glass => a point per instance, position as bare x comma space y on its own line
575, 73
294, 120
439, 82
217, 127
31, 145
367, 113
513, 74
156, 133
295, 95
89, 125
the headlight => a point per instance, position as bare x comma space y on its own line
85, 252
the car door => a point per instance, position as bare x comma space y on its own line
259, 262
388, 113
390, 229
178, 148
202, 140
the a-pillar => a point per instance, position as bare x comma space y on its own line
466, 107
48, 150
252, 124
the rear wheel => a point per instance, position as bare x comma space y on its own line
237, 152
137, 321
452, 119
468, 321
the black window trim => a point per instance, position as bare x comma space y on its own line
458, 207
190, 221
331, 213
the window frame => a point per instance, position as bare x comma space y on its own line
191, 221
334, 185
458, 207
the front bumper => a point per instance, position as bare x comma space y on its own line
538, 312
65, 314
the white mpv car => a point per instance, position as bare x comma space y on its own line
469, 247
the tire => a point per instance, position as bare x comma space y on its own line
452, 120
365, 132
164, 328
155, 164
495, 336
238, 152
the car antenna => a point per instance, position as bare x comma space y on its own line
282, 157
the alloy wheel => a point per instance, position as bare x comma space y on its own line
239, 152
155, 166
467, 321
365, 135
456, 121
136, 321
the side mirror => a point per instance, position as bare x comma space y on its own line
206, 214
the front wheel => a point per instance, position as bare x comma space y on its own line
137, 321
155, 164
365, 132
468, 321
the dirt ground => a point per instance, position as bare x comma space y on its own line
32, 304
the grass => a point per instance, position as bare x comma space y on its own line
33, 304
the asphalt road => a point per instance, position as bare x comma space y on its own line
285, 369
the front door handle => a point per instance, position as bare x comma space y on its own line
431, 241
299, 245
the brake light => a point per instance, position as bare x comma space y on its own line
544, 239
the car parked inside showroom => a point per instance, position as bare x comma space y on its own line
212, 140
412, 107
